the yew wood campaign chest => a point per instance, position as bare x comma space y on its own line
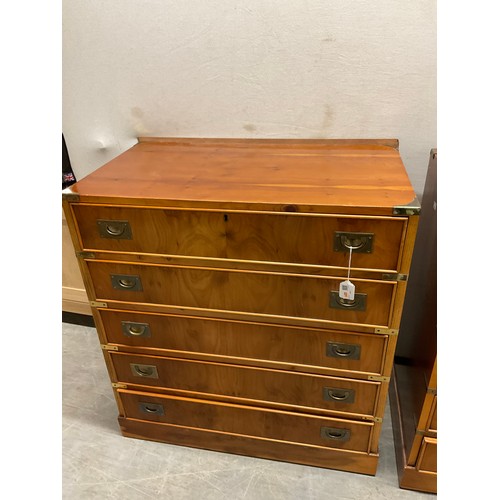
212, 267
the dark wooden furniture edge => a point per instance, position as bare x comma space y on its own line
408, 477
78, 319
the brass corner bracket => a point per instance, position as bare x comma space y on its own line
412, 208
69, 195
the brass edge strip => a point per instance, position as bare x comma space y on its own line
395, 277
118, 385
376, 420
107, 347
85, 255
426, 433
378, 378
387, 331
94, 303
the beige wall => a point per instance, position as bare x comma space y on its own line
254, 68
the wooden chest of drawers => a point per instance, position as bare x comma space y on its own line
213, 267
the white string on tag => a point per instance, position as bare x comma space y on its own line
346, 289
349, 265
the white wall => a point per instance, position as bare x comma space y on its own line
253, 68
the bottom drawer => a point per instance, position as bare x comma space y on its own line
427, 459
247, 420
329, 458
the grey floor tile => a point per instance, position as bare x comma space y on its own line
98, 462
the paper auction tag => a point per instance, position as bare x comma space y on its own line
347, 290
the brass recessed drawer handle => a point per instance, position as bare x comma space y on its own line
126, 283
340, 350
133, 329
146, 371
357, 304
129, 282
117, 229
338, 394
335, 433
358, 242
152, 408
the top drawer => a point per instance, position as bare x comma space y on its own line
266, 237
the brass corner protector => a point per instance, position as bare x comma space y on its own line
94, 303
69, 195
378, 378
118, 385
85, 255
377, 420
394, 277
107, 347
412, 208
387, 331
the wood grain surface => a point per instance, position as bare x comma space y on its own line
302, 348
264, 293
299, 391
289, 238
291, 175
247, 420
427, 460
306, 454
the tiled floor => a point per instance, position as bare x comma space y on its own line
99, 463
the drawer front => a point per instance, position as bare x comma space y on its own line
287, 238
297, 296
248, 421
427, 459
362, 353
309, 392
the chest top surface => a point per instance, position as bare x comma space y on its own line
278, 175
